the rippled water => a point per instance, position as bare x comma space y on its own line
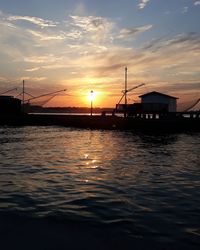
143, 185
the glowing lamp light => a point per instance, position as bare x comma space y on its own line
91, 96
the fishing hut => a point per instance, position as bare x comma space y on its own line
153, 104
158, 102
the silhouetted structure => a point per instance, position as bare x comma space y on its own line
158, 116
158, 102
10, 105
151, 103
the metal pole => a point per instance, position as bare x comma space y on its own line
23, 97
125, 93
91, 108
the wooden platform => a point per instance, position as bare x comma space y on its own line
175, 122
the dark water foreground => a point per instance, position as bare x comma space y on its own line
23, 232
64, 188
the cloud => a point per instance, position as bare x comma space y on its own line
38, 79
35, 20
162, 63
185, 10
45, 36
97, 27
32, 69
91, 23
46, 58
176, 58
92, 46
143, 3
131, 32
62, 49
197, 3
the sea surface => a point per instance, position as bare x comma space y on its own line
96, 189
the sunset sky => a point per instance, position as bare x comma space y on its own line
85, 45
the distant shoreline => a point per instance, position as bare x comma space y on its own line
39, 109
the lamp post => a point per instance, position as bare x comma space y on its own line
125, 93
91, 101
23, 92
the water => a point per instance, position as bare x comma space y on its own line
140, 189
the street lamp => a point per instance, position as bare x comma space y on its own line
91, 101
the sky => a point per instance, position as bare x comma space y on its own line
85, 45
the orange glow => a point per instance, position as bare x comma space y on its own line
92, 96
83, 99
98, 98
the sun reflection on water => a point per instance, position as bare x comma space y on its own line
104, 175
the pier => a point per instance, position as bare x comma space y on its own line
188, 121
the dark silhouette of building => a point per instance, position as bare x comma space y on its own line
158, 102
10, 105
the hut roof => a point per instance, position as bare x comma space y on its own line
158, 93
